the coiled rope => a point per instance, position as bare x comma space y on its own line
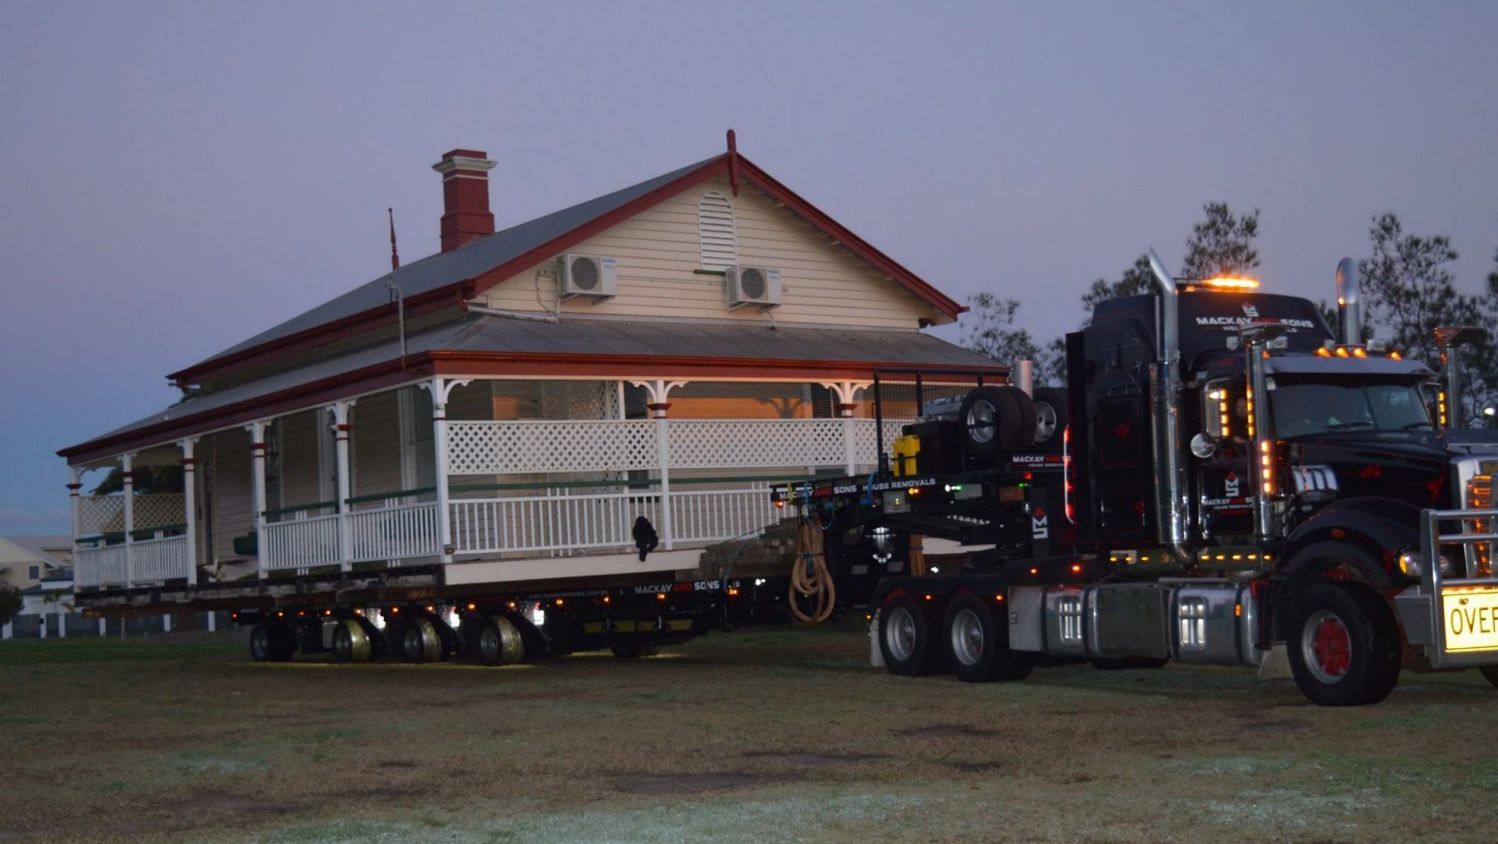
811, 581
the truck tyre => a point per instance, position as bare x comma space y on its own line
271, 641
908, 637
1050, 418
996, 419
1344, 646
976, 643
420, 642
499, 642
351, 642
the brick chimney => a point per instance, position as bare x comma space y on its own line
465, 196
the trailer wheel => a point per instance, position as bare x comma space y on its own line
996, 419
1344, 646
908, 637
976, 644
499, 642
421, 642
1050, 417
351, 642
271, 642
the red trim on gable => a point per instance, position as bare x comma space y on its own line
732, 163
849, 240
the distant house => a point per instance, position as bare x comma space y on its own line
38, 566
508, 406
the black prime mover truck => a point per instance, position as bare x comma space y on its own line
1222, 480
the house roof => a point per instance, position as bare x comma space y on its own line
446, 278
577, 347
38, 546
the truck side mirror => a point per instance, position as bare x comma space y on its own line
1203, 445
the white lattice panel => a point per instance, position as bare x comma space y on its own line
865, 442
106, 513
755, 443
101, 513
497, 448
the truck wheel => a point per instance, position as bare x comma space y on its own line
351, 643
421, 642
996, 419
271, 642
1050, 418
1344, 646
499, 642
908, 637
976, 644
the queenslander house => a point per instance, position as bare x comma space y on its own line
506, 408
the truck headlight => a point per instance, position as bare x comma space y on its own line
1412, 564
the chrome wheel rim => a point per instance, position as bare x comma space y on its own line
967, 637
1045, 421
981, 421
899, 634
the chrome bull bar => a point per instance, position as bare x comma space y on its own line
1454, 619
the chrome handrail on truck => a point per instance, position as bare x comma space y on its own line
1426, 609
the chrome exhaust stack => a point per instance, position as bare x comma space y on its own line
1349, 303
1448, 339
1165, 419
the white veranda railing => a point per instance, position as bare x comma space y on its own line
301, 543
145, 561
399, 532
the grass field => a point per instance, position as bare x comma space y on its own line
780, 735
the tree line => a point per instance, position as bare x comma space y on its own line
1408, 290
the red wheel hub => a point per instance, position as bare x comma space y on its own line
1332, 646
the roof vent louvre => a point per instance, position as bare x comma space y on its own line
715, 229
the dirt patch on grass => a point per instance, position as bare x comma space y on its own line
666, 784
944, 731
814, 759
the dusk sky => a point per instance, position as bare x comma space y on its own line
177, 177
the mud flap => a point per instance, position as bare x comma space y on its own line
876, 656
1276, 664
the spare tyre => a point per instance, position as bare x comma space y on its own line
996, 419
1050, 418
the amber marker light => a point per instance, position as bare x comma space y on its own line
1341, 351
472, 607
660, 596
1396, 356
1323, 352
999, 597
1076, 568
1231, 283
560, 602
607, 599
1034, 572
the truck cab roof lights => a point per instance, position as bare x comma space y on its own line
1223, 284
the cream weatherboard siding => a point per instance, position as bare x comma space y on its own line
659, 252
301, 483
233, 498
377, 445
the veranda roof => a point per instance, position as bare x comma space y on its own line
485, 345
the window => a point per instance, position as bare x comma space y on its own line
34, 572
715, 229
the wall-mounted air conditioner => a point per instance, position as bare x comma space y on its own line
757, 287
588, 276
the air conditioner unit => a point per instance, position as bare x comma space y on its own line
752, 287
588, 276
